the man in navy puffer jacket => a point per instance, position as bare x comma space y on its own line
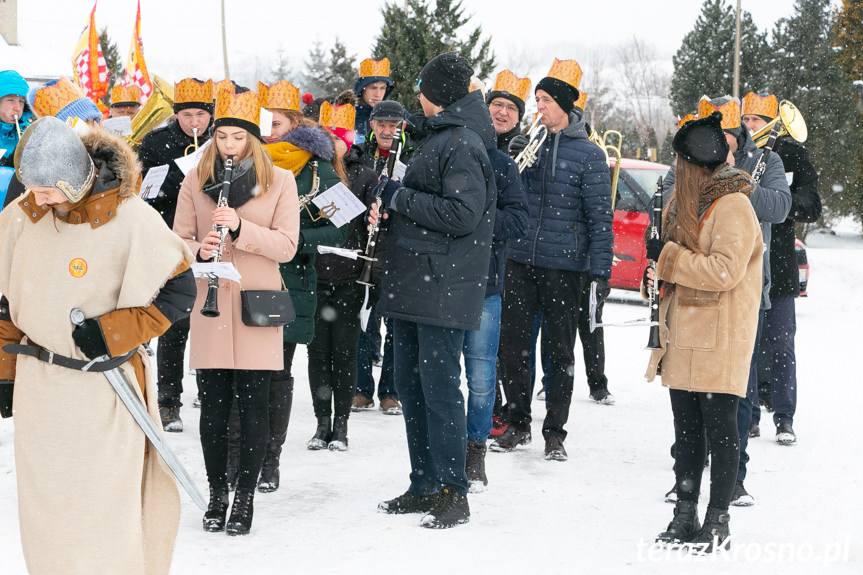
568, 245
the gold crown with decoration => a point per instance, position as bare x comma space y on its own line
125, 95
338, 116
686, 118
50, 100
279, 96
507, 81
730, 111
761, 105
582, 100
566, 71
369, 67
245, 106
188, 91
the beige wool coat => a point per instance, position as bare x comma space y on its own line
707, 326
269, 230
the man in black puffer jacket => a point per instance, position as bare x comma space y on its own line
568, 245
438, 249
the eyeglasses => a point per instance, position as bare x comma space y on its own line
503, 106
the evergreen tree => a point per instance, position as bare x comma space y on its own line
804, 71
316, 67
413, 33
116, 69
329, 74
848, 27
282, 70
704, 64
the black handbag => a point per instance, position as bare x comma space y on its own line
267, 308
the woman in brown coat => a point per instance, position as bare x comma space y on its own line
262, 217
709, 267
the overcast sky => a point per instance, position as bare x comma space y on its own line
183, 37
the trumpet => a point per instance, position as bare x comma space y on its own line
653, 295
211, 304
789, 122
17, 126
536, 136
195, 144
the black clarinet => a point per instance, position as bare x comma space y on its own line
369, 253
653, 293
211, 304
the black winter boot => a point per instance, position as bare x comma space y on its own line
475, 467
321, 438
450, 509
240, 521
683, 526
281, 398
214, 518
713, 534
339, 439
269, 480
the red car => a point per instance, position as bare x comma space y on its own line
632, 210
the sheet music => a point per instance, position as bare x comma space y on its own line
340, 204
153, 182
121, 126
188, 163
344, 252
224, 270
399, 170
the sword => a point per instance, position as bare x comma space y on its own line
130, 399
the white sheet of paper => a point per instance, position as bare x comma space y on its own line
121, 126
399, 170
789, 177
153, 182
190, 162
340, 204
266, 122
2, 152
365, 311
78, 125
344, 252
224, 270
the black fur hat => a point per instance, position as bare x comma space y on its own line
702, 142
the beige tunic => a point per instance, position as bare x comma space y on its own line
270, 226
89, 501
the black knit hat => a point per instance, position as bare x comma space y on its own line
564, 94
445, 79
388, 110
702, 142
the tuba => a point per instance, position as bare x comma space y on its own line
159, 106
789, 122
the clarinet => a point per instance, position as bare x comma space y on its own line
369, 253
653, 293
211, 304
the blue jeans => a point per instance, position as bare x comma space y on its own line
480, 357
780, 326
365, 379
428, 378
744, 406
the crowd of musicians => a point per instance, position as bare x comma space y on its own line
476, 238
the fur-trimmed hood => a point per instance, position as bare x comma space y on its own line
117, 164
312, 139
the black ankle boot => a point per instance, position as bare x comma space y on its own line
214, 518
339, 439
322, 434
269, 480
683, 526
240, 521
713, 534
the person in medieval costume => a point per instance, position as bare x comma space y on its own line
93, 496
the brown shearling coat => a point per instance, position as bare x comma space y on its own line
707, 325
269, 230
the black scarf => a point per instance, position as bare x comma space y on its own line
244, 182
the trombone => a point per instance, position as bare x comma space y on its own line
536, 136
618, 156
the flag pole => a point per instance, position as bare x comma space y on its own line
224, 42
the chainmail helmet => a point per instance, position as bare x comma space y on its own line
52, 155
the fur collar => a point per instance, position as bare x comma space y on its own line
114, 154
312, 139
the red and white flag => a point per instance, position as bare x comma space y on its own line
91, 70
136, 67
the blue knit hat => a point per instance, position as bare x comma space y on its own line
11, 82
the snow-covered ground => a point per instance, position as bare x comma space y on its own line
597, 512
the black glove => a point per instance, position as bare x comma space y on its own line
654, 248
89, 338
517, 144
6, 387
386, 189
644, 278
602, 287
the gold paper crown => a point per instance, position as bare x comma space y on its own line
245, 106
760, 105
566, 71
125, 94
369, 67
282, 95
730, 111
506, 81
582, 100
188, 90
224, 85
50, 100
686, 118
338, 116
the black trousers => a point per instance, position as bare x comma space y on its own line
557, 293
169, 357
716, 414
217, 394
333, 351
